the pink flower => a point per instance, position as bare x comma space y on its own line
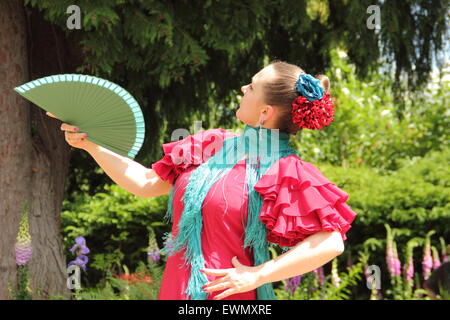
396, 265
427, 264
409, 269
436, 261
23, 247
24, 252
392, 260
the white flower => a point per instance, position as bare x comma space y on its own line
316, 150
338, 73
342, 54
346, 91
385, 112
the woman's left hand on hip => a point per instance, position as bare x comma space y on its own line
234, 280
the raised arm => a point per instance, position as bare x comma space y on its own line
127, 173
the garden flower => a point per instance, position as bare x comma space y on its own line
334, 274
80, 261
292, 284
23, 251
396, 262
392, 260
153, 251
80, 243
81, 251
436, 261
23, 247
135, 277
153, 254
408, 269
427, 263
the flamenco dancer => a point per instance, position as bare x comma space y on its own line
232, 196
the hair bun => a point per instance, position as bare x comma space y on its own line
325, 82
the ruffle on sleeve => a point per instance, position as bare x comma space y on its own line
298, 201
190, 151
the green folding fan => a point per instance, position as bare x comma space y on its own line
105, 111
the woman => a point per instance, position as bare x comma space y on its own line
230, 195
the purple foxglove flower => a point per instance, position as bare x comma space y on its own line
23, 247
153, 251
154, 255
396, 262
397, 267
24, 252
390, 260
436, 261
427, 265
409, 269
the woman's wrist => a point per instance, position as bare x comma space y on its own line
90, 147
263, 272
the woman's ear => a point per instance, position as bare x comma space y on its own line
267, 113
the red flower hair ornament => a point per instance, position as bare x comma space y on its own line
317, 111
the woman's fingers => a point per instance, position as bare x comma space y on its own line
51, 115
68, 127
72, 137
64, 126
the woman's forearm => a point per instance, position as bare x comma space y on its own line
313, 252
127, 173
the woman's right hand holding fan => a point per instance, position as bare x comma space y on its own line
74, 139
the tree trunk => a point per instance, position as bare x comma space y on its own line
33, 154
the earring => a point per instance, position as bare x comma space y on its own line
260, 143
260, 131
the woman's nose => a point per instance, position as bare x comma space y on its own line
243, 89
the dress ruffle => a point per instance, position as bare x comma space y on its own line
298, 201
190, 151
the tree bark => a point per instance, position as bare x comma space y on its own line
34, 157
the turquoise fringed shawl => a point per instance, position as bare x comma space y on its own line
261, 147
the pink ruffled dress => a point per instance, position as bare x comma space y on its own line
298, 201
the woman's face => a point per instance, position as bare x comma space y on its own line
252, 108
